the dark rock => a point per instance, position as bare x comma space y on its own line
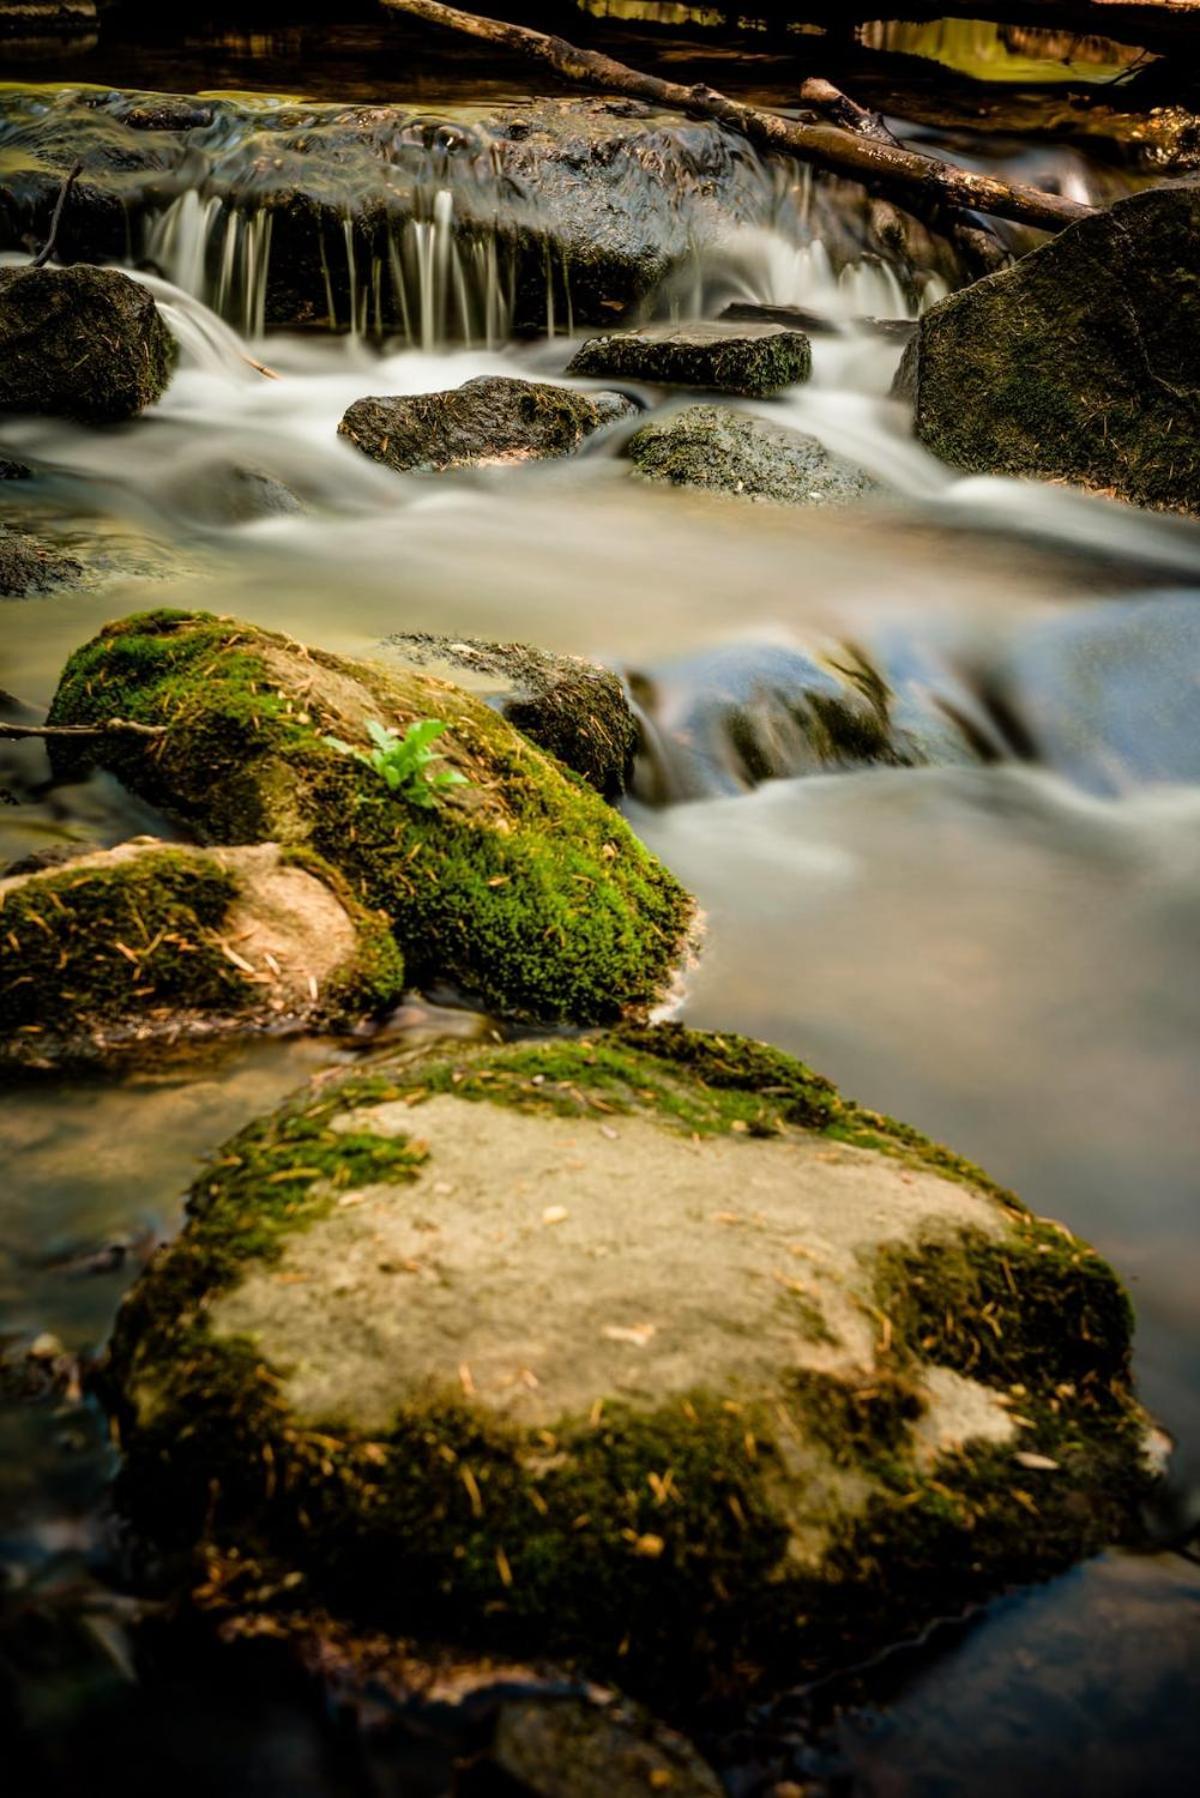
1081, 362
167, 113
574, 709
492, 419
731, 452
752, 359
30, 565
84, 343
815, 323
14, 471
588, 1748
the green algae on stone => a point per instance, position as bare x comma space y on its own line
719, 450
756, 360
522, 886
158, 941
490, 1346
490, 420
1081, 362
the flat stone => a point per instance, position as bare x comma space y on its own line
491, 421
755, 360
722, 451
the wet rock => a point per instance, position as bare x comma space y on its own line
581, 1748
727, 718
1102, 693
14, 471
153, 942
84, 343
1081, 362
572, 708
646, 1350
518, 882
488, 421
222, 493
816, 323
731, 452
756, 360
29, 565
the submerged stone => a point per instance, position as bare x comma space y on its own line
646, 1350
756, 360
576, 710
83, 343
1081, 362
28, 565
156, 942
723, 451
492, 419
517, 882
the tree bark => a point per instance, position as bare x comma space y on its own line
861, 155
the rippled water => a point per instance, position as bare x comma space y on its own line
1000, 948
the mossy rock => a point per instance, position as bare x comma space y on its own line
156, 942
647, 1350
721, 451
752, 359
1081, 362
522, 886
573, 708
84, 343
491, 421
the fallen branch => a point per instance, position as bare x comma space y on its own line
47, 250
112, 727
861, 155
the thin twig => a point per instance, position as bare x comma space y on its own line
112, 727
47, 250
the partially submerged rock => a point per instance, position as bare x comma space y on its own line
28, 564
154, 942
756, 360
83, 343
647, 1350
521, 885
572, 708
493, 419
1081, 362
715, 448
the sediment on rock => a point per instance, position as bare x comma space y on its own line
755, 360
1081, 362
647, 1350
28, 565
722, 451
493, 420
521, 885
155, 943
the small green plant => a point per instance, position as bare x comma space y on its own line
402, 762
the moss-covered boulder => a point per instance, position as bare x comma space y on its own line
753, 359
28, 564
647, 1350
573, 708
1081, 362
521, 885
155, 942
84, 343
492, 420
722, 451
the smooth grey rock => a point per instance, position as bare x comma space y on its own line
731, 452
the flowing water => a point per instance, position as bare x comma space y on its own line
999, 946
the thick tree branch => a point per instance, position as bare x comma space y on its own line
863, 156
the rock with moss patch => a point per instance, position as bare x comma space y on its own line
752, 359
1082, 362
722, 451
573, 708
28, 564
156, 942
83, 343
521, 885
492, 420
646, 1350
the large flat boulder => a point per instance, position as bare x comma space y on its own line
154, 943
491, 421
517, 882
1081, 362
646, 1350
83, 343
756, 360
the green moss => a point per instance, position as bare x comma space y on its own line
523, 887
98, 943
861, 1423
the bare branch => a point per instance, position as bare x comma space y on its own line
112, 727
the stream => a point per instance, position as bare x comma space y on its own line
999, 947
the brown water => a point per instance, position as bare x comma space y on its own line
1001, 948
